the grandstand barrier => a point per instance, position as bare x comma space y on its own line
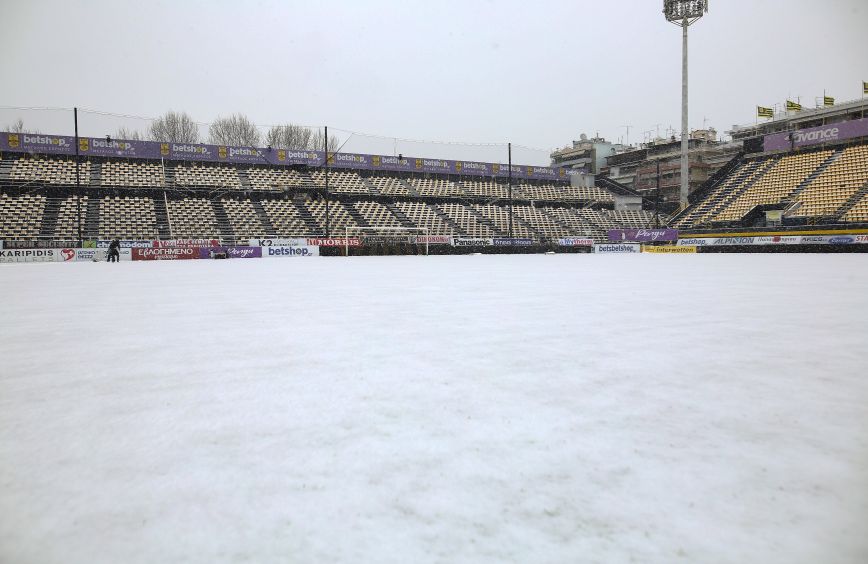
819, 135
166, 253
511, 242
643, 235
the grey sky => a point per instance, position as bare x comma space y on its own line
534, 73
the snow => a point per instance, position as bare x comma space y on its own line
568, 408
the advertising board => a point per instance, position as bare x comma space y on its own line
166, 253
617, 248
672, 249
280, 251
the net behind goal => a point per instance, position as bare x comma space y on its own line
391, 238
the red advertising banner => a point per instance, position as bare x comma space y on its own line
166, 253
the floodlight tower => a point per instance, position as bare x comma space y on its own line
683, 13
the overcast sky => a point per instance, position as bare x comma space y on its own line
537, 73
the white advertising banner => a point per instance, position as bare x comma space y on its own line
279, 251
472, 241
615, 248
30, 255
575, 242
287, 242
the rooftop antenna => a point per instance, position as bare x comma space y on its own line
627, 139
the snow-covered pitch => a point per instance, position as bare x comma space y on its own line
570, 408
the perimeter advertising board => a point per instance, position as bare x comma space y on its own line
29, 255
617, 248
471, 241
575, 242
671, 249
91, 255
514, 242
230, 252
166, 253
286, 251
643, 235
842, 239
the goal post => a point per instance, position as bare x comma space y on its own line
386, 235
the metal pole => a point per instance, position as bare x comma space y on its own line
684, 133
509, 177
326, 147
657, 198
77, 176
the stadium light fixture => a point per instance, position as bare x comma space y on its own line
683, 13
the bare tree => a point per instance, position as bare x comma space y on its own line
317, 141
289, 136
18, 127
175, 127
128, 134
236, 129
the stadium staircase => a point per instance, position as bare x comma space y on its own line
95, 174
90, 230
313, 227
270, 231
6, 169
223, 223
410, 188
161, 212
481, 219
727, 199
712, 200
372, 190
790, 200
447, 220
708, 187
354, 213
49, 217
852, 201
169, 174
614, 186
402, 218
244, 179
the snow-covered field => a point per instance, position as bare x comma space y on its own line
573, 408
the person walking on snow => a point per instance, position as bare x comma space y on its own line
114, 254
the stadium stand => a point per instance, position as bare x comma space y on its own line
199, 175
825, 195
499, 217
437, 187
466, 220
423, 215
277, 179
243, 218
67, 218
388, 185
132, 174
285, 217
192, 218
21, 216
127, 218
341, 181
48, 170
375, 213
339, 217
859, 211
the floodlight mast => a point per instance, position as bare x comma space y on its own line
683, 13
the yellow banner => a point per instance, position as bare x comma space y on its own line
765, 112
864, 87
793, 106
828, 101
667, 249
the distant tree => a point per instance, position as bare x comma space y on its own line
18, 127
317, 138
174, 127
289, 136
128, 134
236, 129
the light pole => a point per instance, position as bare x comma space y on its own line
683, 13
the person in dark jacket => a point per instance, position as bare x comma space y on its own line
114, 253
